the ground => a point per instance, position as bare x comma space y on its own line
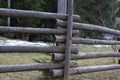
21, 58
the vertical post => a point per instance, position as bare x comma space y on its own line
8, 19
68, 40
117, 21
62, 8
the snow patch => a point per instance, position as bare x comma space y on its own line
101, 45
21, 43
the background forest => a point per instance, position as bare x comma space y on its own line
99, 12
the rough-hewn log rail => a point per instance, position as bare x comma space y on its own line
89, 41
81, 56
95, 41
37, 49
34, 14
82, 70
31, 67
91, 27
30, 30
34, 30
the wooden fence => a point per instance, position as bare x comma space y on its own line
63, 52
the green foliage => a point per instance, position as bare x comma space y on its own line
45, 73
3, 4
99, 12
36, 5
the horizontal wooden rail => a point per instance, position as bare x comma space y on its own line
76, 40
30, 30
90, 27
30, 67
30, 49
34, 30
82, 70
34, 14
75, 32
95, 41
80, 56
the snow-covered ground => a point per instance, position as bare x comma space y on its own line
26, 43
21, 43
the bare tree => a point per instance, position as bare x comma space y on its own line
9, 6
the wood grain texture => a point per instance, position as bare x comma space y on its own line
68, 41
36, 49
76, 40
34, 14
91, 55
91, 27
32, 66
83, 70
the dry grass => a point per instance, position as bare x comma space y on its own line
3, 38
20, 58
104, 75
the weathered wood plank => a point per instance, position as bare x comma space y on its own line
37, 49
95, 41
31, 30
35, 30
68, 40
34, 14
90, 27
82, 70
62, 8
76, 40
81, 56
31, 67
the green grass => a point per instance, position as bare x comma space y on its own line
22, 58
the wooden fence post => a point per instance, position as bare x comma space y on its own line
68, 40
62, 8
